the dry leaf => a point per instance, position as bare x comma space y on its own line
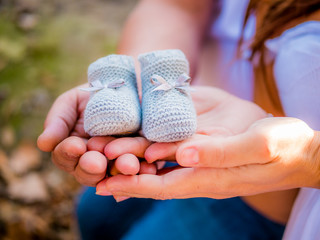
8, 137
30, 188
5, 170
25, 158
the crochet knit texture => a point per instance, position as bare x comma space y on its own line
114, 109
168, 115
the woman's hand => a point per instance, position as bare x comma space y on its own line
273, 154
219, 114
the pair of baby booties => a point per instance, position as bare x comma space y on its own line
166, 113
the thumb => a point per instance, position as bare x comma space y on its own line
222, 152
60, 121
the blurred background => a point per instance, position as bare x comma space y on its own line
45, 49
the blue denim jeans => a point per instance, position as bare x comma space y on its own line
197, 218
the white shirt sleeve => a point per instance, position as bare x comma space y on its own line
297, 75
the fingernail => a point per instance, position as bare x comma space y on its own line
103, 193
101, 189
190, 156
121, 198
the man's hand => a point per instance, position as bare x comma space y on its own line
64, 119
72, 149
64, 136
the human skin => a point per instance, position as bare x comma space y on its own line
272, 154
63, 133
72, 149
188, 21
235, 158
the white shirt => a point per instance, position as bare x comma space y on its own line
297, 75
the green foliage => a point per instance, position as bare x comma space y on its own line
38, 64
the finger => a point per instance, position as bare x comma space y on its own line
60, 121
91, 169
165, 151
168, 186
161, 151
99, 143
147, 168
83, 98
67, 153
160, 164
204, 182
120, 146
127, 164
101, 188
239, 150
181, 183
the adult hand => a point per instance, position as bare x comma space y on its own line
72, 150
219, 114
273, 154
64, 136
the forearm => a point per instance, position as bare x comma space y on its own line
165, 24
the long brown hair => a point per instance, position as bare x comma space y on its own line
276, 14
273, 17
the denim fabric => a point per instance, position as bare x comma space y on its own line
198, 218
204, 219
102, 217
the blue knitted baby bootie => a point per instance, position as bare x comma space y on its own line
168, 114
113, 108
